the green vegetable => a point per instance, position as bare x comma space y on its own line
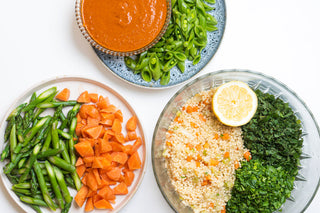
259, 188
185, 38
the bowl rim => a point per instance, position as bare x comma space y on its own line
96, 45
213, 74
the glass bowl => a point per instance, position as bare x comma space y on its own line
307, 181
97, 46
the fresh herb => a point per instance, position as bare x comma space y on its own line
274, 134
259, 188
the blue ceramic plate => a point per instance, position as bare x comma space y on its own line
117, 66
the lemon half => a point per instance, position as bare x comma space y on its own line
234, 103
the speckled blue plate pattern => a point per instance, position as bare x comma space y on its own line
117, 66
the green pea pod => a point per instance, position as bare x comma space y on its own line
192, 16
180, 56
144, 63
211, 27
146, 74
200, 32
181, 66
170, 64
196, 59
210, 19
176, 13
200, 42
182, 6
200, 7
207, 7
190, 2
131, 64
169, 31
154, 66
173, 2
178, 33
184, 23
168, 55
193, 51
211, 1
165, 78
202, 21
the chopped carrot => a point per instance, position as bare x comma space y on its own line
93, 121
211, 205
119, 157
84, 149
216, 136
79, 162
198, 164
127, 148
80, 170
118, 136
116, 147
247, 155
202, 118
81, 196
110, 109
206, 145
226, 155
93, 97
97, 176
198, 147
104, 146
136, 145
118, 114
131, 124
189, 145
189, 158
89, 205
225, 136
116, 126
103, 102
91, 181
168, 143
84, 179
132, 135
84, 97
128, 177
63, 95
102, 204
107, 193
94, 132
236, 164
121, 189
114, 173
134, 161
191, 109
214, 162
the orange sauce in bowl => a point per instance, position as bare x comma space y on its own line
123, 25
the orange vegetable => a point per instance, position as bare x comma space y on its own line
102, 204
247, 155
226, 155
225, 136
93, 97
63, 95
121, 189
119, 157
89, 205
84, 97
236, 164
131, 124
84, 149
81, 196
214, 162
134, 161
104, 160
189, 158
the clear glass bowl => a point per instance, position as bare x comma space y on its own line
118, 53
307, 181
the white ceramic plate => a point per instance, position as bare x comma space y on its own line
77, 85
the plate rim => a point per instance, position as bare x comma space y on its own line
58, 79
217, 73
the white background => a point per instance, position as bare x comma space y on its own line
40, 40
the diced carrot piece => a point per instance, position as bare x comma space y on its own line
131, 124
236, 164
214, 162
106, 122
81, 196
132, 135
84, 179
114, 173
89, 205
110, 109
109, 116
93, 97
89, 110
107, 193
110, 132
136, 145
116, 147
118, 136
84, 97
118, 115
127, 148
226, 155
94, 132
97, 176
79, 128
116, 126
63, 95
134, 161
80, 170
103, 204
84, 149
91, 181
103, 102
105, 177
88, 159
128, 177
104, 146
96, 198
97, 163
120, 189
119, 157
91, 193
79, 162
93, 121
247, 155
101, 163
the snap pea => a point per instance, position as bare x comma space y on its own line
154, 66
165, 78
146, 74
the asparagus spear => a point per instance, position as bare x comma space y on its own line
62, 184
61, 163
30, 162
54, 184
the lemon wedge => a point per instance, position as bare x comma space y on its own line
234, 103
